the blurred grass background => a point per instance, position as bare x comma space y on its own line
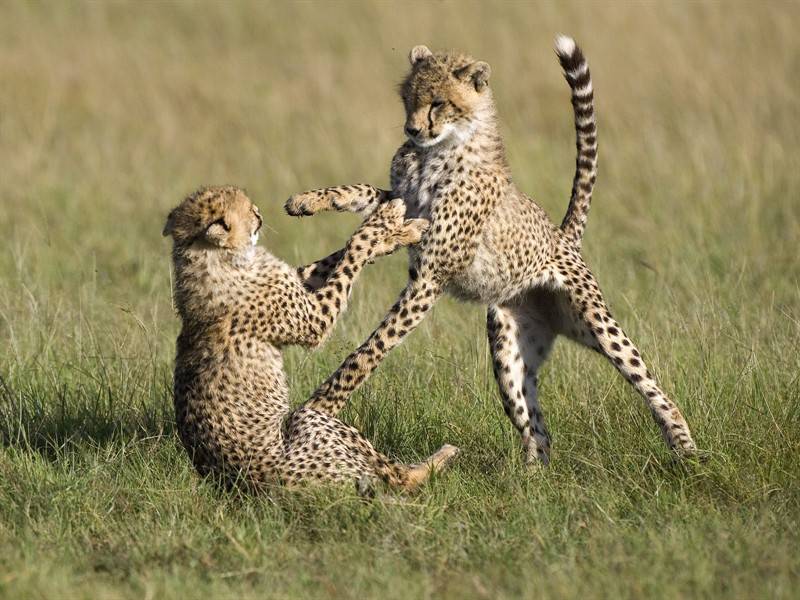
110, 113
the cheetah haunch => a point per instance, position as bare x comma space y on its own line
238, 306
489, 242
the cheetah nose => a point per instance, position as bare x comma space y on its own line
412, 131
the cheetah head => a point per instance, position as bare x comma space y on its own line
222, 217
446, 96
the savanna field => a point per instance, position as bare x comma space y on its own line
110, 113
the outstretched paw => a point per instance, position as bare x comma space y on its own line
392, 229
306, 204
358, 198
388, 215
437, 462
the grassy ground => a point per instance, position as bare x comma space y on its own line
110, 113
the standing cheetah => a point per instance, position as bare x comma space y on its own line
239, 305
489, 242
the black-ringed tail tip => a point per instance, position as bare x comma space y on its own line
570, 57
576, 72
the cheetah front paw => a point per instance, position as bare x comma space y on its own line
411, 232
386, 229
391, 229
388, 216
306, 204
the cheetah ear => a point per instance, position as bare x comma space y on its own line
478, 72
217, 233
418, 53
169, 226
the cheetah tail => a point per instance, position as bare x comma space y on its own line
576, 72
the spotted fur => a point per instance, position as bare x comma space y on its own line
489, 242
239, 305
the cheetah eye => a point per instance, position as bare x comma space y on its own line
437, 103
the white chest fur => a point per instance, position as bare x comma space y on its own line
431, 175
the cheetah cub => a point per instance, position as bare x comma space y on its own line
239, 305
489, 242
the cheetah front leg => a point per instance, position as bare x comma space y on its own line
359, 198
417, 299
315, 311
589, 322
443, 254
317, 273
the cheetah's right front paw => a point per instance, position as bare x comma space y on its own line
306, 204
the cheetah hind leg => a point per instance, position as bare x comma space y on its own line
588, 321
408, 478
520, 338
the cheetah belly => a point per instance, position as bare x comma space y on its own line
488, 279
511, 257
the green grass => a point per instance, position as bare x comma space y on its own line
110, 113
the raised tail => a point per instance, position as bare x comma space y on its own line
576, 71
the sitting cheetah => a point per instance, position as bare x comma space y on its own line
489, 242
239, 305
